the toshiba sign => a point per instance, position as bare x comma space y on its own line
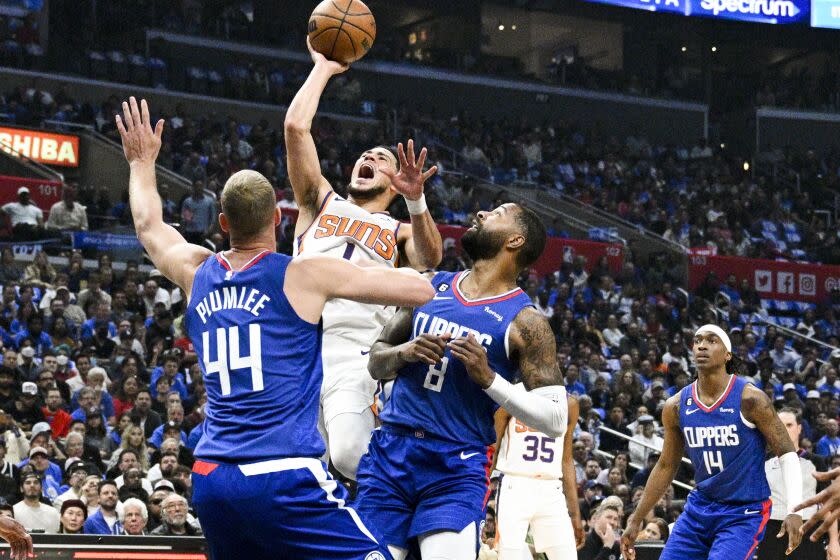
44, 147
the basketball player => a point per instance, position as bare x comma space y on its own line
726, 514
828, 515
538, 487
254, 318
357, 229
426, 472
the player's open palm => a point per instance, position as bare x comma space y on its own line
19, 540
792, 526
140, 143
410, 179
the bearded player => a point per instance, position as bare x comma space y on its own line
254, 318
725, 423
360, 230
425, 476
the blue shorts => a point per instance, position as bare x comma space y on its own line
717, 531
280, 509
411, 484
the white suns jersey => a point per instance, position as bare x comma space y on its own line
346, 231
526, 452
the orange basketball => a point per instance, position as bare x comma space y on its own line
342, 30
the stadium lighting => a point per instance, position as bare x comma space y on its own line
684, 49
746, 166
722, 146
513, 28
501, 27
714, 49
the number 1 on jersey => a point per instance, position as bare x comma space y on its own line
713, 459
227, 346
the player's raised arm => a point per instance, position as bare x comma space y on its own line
759, 410
302, 161
311, 281
169, 251
829, 499
420, 241
569, 474
395, 348
660, 477
532, 340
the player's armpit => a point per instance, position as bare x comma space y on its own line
172, 255
758, 409
532, 341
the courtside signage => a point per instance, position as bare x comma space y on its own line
757, 11
43, 147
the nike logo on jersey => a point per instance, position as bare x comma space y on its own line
465, 456
750, 512
692, 411
365, 352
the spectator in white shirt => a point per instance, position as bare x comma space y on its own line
68, 214
30, 511
638, 452
153, 293
26, 219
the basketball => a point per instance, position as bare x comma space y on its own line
342, 30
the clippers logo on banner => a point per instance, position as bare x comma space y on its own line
43, 147
781, 280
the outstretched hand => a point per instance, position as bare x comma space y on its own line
140, 143
322, 61
19, 540
829, 499
410, 179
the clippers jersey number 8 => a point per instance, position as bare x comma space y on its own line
436, 374
227, 347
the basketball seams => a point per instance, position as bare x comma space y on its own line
349, 38
340, 25
350, 23
314, 37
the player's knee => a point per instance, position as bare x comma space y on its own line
345, 458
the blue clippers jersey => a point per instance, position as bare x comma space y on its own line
261, 363
442, 400
726, 451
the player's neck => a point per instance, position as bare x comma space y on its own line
711, 384
374, 205
243, 251
487, 279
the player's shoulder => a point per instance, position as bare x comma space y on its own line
530, 325
671, 408
752, 397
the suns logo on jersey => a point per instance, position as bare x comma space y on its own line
522, 428
382, 241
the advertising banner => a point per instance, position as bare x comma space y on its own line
43, 147
758, 11
782, 280
43, 193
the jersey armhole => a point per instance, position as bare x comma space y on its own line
746, 422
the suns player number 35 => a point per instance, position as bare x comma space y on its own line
228, 356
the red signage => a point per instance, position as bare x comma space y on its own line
556, 251
42, 192
781, 280
44, 147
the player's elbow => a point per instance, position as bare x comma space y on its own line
422, 294
295, 127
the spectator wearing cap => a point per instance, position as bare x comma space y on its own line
77, 471
105, 521
174, 511
829, 444
27, 411
67, 214
49, 472
26, 219
593, 493
73, 517
791, 395
134, 517
645, 439
31, 511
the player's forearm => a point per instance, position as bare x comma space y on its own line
304, 106
535, 408
385, 360
570, 489
428, 246
146, 208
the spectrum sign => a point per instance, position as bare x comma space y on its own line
757, 11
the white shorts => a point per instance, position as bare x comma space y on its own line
540, 504
347, 385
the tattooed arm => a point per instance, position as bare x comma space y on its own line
757, 409
532, 342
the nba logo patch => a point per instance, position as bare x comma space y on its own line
228, 275
374, 556
443, 287
689, 401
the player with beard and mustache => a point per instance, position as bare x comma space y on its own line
360, 230
454, 360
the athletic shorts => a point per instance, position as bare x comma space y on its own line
715, 531
540, 504
279, 509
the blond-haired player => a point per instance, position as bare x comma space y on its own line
358, 229
538, 487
